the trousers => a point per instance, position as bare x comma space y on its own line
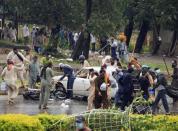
44, 95
70, 83
161, 96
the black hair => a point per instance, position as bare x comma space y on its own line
175, 61
43, 71
15, 49
91, 70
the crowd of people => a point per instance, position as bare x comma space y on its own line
22, 67
111, 72
9, 32
36, 38
152, 84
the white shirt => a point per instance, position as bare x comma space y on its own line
114, 43
109, 71
14, 33
76, 37
10, 76
26, 31
93, 39
33, 33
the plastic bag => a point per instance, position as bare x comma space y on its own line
3, 86
103, 87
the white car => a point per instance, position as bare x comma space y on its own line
82, 83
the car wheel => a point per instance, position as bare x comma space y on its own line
60, 92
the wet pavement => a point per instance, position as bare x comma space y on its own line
30, 107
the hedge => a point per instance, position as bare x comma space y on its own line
156, 123
19, 122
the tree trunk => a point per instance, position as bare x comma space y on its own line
88, 9
16, 24
86, 45
79, 47
173, 44
82, 46
128, 31
83, 43
142, 35
156, 42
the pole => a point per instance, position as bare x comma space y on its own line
103, 48
165, 64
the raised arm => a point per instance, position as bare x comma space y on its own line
24, 58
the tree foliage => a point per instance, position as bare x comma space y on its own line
107, 16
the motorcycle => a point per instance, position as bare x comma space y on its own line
57, 92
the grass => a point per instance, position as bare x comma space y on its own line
157, 64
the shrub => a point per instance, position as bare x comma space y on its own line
156, 123
19, 122
53, 122
98, 121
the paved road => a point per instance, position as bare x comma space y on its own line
31, 107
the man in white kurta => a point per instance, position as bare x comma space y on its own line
9, 75
18, 60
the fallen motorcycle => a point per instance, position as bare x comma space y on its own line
57, 92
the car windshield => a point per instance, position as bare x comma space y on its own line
83, 73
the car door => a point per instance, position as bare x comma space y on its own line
86, 87
79, 87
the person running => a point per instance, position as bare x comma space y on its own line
9, 75
34, 72
161, 95
92, 78
69, 72
18, 60
46, 83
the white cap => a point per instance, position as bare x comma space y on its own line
158, 71
61, 64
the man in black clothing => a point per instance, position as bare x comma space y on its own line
160, 87
124, 95
175, 74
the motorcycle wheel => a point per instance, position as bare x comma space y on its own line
60, 92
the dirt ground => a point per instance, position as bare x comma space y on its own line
153, 61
